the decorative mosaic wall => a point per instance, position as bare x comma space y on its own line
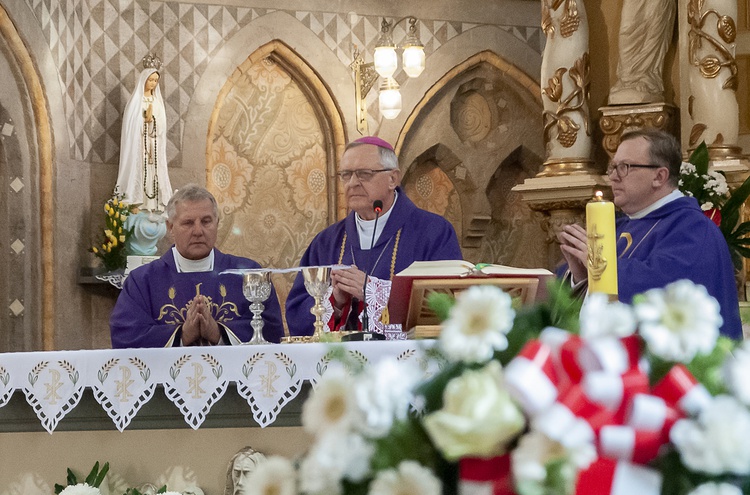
96, 45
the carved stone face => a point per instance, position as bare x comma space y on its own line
243, 466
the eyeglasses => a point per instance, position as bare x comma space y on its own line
363, 174
623, 168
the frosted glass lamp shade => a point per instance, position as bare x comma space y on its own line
389, 99
413, 60
386, 60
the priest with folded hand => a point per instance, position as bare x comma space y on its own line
183, 299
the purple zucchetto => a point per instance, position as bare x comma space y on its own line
375, 141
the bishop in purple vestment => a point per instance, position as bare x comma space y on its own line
181, 298
405, 233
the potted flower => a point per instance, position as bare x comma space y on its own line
112, 247
723, 207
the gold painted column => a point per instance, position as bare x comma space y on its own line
568, 178
712, 77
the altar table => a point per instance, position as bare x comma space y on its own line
266, 377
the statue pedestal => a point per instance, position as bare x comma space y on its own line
148, 229
134, 261
735, 170
561, 200
617, 119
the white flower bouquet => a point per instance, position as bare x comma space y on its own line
644, 399
90, 486
723, 207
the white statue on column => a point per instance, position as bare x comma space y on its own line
143, 177
646, 28
713, 73
565, 85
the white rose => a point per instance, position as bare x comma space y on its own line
478, 417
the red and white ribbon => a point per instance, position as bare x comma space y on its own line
628, 444
652, 413
478, 476
613, 391
531, 377
608, 477
679, 388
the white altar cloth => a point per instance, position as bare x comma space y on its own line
193, 378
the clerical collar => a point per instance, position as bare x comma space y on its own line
365, 227
185, 265
676, 194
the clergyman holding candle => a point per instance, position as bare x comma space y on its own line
662, 236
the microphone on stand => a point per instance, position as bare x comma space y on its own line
365, 333
377, 207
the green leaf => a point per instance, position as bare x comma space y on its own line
101, 475
58, 488
432, 389
707, 368
700, 159
737, 199
441, 304
72, 480
742, 229
91, 478
561, 310
407, 440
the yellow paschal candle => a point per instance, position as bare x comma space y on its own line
602, 245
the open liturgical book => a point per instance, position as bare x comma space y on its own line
411, 287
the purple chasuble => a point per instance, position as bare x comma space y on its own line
153, 303
677, 241
411, 234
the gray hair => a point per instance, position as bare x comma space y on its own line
388, 158
663, 149
191, 193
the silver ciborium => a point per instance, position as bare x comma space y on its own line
256, 286
317, 282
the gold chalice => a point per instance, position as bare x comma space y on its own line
317, 281
256, 286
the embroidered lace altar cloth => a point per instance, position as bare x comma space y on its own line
194, 379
